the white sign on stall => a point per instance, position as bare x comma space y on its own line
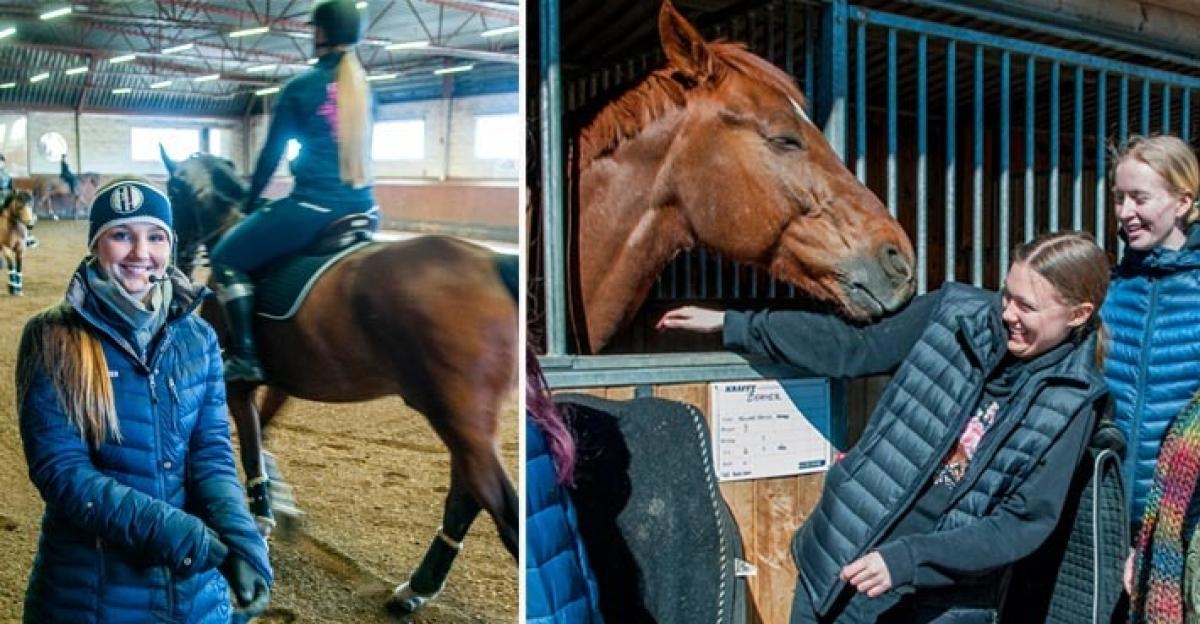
758, 431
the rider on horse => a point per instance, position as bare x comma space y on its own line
328, 110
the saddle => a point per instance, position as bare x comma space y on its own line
663, 545
282, 287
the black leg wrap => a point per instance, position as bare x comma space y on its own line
435, 567
259, 492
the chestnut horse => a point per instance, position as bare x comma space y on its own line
16, 221
431, 319
715, 150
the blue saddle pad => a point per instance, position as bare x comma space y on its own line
282, 288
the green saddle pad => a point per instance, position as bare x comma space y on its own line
282, 289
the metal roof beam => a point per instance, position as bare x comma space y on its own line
479, 9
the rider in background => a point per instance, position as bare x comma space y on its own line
6, 185
328, 110
68, 178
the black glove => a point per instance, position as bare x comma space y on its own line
249, 587
250, 205
217, 550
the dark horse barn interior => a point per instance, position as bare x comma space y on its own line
977, 124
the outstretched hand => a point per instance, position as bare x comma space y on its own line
868, 574
692, 318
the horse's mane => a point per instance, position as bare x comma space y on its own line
661, 92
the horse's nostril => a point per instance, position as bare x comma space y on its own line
894, 263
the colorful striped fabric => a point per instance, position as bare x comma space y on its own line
1161, 545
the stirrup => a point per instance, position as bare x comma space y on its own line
242, 368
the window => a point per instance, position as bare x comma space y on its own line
498, 137
219, 142
179, 142
398, 140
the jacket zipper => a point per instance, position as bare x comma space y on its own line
1136, 426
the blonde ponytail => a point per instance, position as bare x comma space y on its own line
57, 343
354, 121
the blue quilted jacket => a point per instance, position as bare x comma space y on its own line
559, 585
1153, 365
124, 535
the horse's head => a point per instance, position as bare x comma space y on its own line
20, 205
737, 165
205, 193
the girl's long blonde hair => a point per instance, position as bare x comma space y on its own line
57, 343
354, 120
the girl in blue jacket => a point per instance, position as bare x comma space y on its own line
122, 416
328, 110
1153, 305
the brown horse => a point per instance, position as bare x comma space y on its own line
16, 222
48, 188
432, 319
715, 150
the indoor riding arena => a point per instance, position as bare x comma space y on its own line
89, 90
977, 125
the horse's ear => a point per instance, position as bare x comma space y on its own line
170, 164
686, 50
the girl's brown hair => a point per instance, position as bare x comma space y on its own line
1078, 269
57, 343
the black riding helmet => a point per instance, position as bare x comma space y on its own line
340, 19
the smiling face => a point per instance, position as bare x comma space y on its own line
1147, 208
132, 252
1035, 314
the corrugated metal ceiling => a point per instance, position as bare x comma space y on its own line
95, 32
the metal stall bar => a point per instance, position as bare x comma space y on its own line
1077, 156
1055, 112
951, 151
1030, 123
1185, 121
1101, 131
1166, 108
550, 113
922, 173
892, 183
977, 180
1145, 107
860, 102
1005, 140
1123, 99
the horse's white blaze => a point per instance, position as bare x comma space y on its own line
799, 110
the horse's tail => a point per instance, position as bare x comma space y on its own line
509, 268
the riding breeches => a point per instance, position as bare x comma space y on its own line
279, 229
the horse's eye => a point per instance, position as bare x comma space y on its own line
786, 142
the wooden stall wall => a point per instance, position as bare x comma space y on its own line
768, 511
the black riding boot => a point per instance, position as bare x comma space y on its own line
236, 293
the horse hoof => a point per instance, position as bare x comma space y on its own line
290, 521
405, 600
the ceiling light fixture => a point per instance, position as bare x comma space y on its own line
178, 48
260, 68
457, 69
122, 91
206, 78
408, 45
124, 58
159, 85
311, 61
49, 15
381, 77
257, 30
267, 91
40, 77
496, 32
8, 85
76, 70
360, 5
8, 32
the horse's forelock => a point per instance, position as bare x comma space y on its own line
660, 92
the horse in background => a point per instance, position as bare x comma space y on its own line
715, 150
16, 222
433, 319
47, 189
